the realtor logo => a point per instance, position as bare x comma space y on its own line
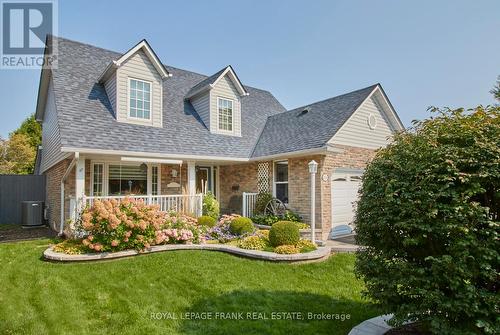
25, 27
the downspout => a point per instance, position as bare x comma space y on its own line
65, 176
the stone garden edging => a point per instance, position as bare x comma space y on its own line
320, 253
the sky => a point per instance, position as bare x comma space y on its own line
424, 53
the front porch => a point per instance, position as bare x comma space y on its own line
179, 185
173, 185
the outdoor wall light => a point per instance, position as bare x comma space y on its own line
174, 173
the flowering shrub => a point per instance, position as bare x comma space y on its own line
254, 242
264, 233
306, 246
286, 249
70, 247
180, 228
113, 226
131, 224
221, 231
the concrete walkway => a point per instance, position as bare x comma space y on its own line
373, 326
342, 244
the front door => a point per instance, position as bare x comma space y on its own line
203, 179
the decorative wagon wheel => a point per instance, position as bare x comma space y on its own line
276, 207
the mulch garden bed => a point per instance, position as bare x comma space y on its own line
13, 233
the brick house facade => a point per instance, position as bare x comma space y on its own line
175, 129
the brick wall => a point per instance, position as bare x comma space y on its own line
166, 178
233, 181
299, 183
53, 195
299, 186
355, 158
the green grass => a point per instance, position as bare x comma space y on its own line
118, 297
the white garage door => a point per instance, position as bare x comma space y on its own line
344, 196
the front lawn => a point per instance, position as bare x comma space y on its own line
119, 297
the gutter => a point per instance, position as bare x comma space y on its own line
146, 156
315, 151
64, 177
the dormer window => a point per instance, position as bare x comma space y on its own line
139, 99
225, 114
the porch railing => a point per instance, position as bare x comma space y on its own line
249, 201
181, 203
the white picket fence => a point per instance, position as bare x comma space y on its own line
249, 201
180, 203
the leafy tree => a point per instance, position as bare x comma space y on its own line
429, 216
18, 153
496, 90
17, 156
32, 129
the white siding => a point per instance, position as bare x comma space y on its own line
110, 86
201, 104
51, 139
356, 131
225, 89
139, 67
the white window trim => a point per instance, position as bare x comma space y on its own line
140, 119
274, 176
104, 178
106, 165
150, 179
219, 129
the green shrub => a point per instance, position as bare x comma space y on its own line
286, 249
207, 221
253, 243
210, 206
241, 226
428, 216
269, 220
284, 232
263, 199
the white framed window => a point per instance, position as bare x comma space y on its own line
97, 179
139, 100
119, 178
225, 114
280, 180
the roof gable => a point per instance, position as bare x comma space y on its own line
371, 125
358, 130
310, 126
212, 81
146, 48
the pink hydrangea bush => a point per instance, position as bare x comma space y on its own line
180, 228
130, 224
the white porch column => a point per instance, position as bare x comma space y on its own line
191, 174
80, 185
313, 169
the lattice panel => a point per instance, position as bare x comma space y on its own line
263, 177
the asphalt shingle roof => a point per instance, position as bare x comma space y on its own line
310, 126
86, 118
